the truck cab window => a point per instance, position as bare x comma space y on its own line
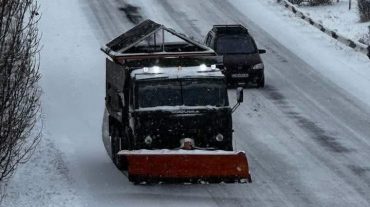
204, 93
159, 93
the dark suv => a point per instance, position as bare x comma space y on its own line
241, 58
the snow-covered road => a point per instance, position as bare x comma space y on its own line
307, 133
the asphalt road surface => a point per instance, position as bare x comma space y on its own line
307, 139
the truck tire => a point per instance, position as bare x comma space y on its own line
116, 147
261, 82
110, 125
228, 147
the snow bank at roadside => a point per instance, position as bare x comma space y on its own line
73, 102
346, 68
43, 181
339, 18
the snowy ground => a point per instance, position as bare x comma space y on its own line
338, 17
306, 133
72, 100
43, 181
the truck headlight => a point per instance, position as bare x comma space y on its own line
156, 69
148, 140
258, 66
219, 137
203, 67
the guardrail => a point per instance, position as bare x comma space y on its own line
365, 49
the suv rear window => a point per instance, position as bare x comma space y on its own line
235, 45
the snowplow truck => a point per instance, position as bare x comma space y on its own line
168, 111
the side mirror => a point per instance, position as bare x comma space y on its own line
239, 94
239, 98
121, 98
261, 51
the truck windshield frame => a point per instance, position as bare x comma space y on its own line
235, 44
181, 92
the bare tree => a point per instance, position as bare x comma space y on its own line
364, 10
19, 90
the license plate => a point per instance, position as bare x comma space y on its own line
239, 75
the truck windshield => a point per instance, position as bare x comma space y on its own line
203, 93
235, 45
182, 92
159, 93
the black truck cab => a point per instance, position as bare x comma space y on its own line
157, 107
171, 104
241, 57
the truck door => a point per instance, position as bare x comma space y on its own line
115, 81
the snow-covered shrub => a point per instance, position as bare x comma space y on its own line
366, 38
364, 9
295, 1
319, 2
19, 89
311, 2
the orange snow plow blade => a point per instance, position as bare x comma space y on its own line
186, 166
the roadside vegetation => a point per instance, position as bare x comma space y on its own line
20, 123
364, 10
312, 2
350, 18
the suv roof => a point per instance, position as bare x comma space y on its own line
230, 29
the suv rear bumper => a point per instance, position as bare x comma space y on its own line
244, 75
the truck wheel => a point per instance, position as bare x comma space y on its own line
116, 148
110, 125
261, 82
229, 147
127, 141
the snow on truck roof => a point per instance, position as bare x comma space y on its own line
156, 72
133, 36
152, 39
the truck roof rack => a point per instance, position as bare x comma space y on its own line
152, 40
